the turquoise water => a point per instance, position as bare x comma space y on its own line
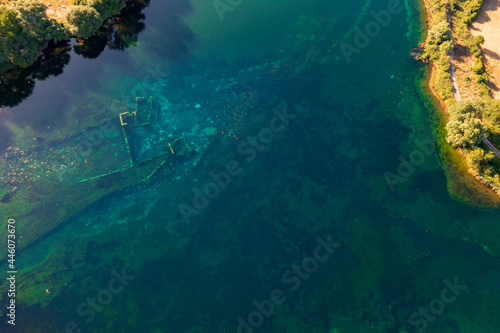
298, 229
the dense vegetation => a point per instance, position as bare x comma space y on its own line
469, 121
439, 43
122, 32
25, 28
464, 128
86, 16
465, 12
437, 49
483, 163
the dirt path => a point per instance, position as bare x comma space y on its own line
488, 25
452, 64
492, 147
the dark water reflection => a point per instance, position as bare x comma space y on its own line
322, 175
18, 84
172, 38
122, 32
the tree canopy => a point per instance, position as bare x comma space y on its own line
439, 33
23, 29
83, 20
464, 128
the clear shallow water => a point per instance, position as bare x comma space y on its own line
322, 175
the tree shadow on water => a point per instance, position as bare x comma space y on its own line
118, 33
19, 83
172, 37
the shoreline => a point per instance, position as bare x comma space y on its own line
462, 184
474, 181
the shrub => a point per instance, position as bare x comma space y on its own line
443, 86
476, 51
478, 40
471, 11
484, 90
478, 67
479, 159
107, 8
483, 78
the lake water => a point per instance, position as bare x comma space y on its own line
316, 198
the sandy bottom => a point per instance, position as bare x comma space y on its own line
488, 25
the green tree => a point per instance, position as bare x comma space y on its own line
9, 29
471, 11
478, 40
36, 25
466, 106
9, 24
83, 21
491, 115
464, 128
439, 33
107, 8
24, 28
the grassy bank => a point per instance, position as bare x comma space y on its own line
476, 115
